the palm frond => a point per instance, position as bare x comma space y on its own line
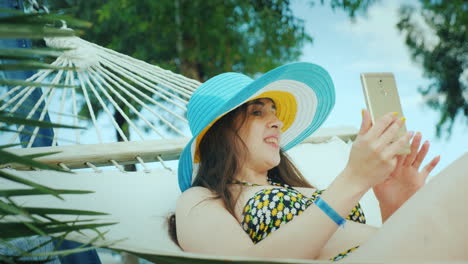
26, 192
33, 84
18, 220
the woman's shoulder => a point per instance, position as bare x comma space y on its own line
194, 196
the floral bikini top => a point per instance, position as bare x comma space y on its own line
268, 209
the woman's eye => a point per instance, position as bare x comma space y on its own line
257, 112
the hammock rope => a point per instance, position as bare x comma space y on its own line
183, 83
118, 166
37, 77
115, 80
142, 82
35, 108
62, 105
90, 108
151, 100
92, 166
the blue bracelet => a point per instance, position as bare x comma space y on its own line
330, 212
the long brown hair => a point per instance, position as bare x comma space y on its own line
220, 150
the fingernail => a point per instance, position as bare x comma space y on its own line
418, 133
395, 113
362, 112
403, 119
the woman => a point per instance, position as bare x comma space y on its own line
236, 181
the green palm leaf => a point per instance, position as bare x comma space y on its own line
31, 65
9, 158
26, 192
39, 187
47, 211
11, 119
33, 84
18, 17
12, 230
18, 31
17, 220
18, 53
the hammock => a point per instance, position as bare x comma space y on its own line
138, 201
141, 214
109, 80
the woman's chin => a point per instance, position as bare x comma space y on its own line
274, 163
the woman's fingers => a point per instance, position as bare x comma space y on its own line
400, 160
382, 125
414, 150
388, 135
366, 123
421, 155
430, 166
396, 146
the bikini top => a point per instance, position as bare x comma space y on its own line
268, 209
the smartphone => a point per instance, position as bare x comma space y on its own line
381, 96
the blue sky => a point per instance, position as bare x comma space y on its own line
373, 44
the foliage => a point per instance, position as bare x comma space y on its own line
443, 55
17, 220
196, 38
352, 7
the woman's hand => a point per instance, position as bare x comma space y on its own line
373, 155
406, 179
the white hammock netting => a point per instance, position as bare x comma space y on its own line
153, 102
150, 99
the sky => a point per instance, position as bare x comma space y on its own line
373, 44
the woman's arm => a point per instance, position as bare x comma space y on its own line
353, 235
205, 226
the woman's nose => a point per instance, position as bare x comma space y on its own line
275, 122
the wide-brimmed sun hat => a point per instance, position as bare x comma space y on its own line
303, 93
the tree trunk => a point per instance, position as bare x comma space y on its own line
126, 130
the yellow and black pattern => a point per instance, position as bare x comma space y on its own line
343, 254
270, 208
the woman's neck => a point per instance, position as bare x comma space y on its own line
251, 176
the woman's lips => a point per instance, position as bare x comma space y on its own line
272, 141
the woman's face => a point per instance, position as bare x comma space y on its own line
261, 133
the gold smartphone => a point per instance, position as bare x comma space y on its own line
381, 95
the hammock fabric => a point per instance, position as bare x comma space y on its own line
140, 202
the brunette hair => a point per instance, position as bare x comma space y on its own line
220, 150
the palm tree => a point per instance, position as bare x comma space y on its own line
17, 220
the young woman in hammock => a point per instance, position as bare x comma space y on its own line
242, 196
